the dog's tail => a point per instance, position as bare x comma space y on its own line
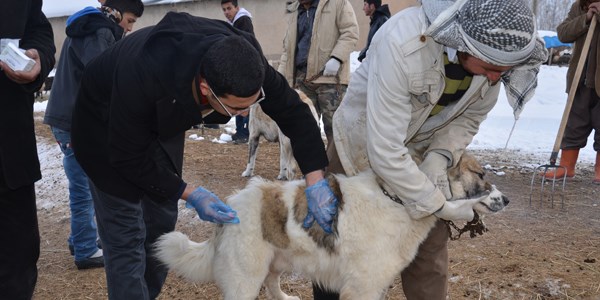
193, 261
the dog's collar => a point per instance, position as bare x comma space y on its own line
394, 197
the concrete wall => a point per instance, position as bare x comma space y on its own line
268, 20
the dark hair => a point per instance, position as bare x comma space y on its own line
233, 66
135, 7
234, 2
377, 3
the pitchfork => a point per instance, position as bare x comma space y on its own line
563, 124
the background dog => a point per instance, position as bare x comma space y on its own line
262, 125
374, 238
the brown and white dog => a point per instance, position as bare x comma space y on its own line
262, 125
374, 237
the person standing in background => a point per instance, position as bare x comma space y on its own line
585, 112
318, 64
378, 14
24, 23
241, 19
89, 31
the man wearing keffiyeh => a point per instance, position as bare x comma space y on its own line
430, 80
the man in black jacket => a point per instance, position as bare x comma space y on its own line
241, 19
90, 31
136, 101
379, 14
22, 21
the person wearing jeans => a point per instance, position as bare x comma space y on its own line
83, 227
90, 32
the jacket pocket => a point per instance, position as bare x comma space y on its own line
425, 88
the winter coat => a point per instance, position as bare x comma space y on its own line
89, 33
573, 30
335, 33
384, 117
18, 153
379, 17
138, 94
243, 21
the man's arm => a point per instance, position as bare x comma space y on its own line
574, 26
348, 31
39, 36
388, 118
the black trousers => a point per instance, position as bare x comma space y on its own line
128, 229
19, 241
583, 118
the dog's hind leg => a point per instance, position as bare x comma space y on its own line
287, 163
274, 289
237, 287
252, 148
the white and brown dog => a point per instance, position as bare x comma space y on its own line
262, 125
374, 237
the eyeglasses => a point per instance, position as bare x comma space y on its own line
261, 97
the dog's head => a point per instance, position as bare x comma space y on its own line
467, 181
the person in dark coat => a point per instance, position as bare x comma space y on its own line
90, 31
378, 14
135, 103
237, 16
23, 23
241, 19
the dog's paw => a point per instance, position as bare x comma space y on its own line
247, 173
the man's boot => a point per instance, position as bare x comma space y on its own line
568, 159
597, 169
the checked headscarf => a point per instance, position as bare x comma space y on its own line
500, 32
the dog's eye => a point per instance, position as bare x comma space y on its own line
481, 175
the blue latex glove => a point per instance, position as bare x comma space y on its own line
210, 208
322, 205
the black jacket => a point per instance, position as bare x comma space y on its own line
89, 33
23, 20
138, 93
244, 23
380, 16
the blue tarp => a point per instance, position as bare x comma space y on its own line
552, 41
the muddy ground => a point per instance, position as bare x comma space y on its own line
530, 252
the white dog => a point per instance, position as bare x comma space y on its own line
374, 238
262, 125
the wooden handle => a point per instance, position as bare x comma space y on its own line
573, 89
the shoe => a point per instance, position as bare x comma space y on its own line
243, 140
568, 159
94, 261
72, 248
239, 139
